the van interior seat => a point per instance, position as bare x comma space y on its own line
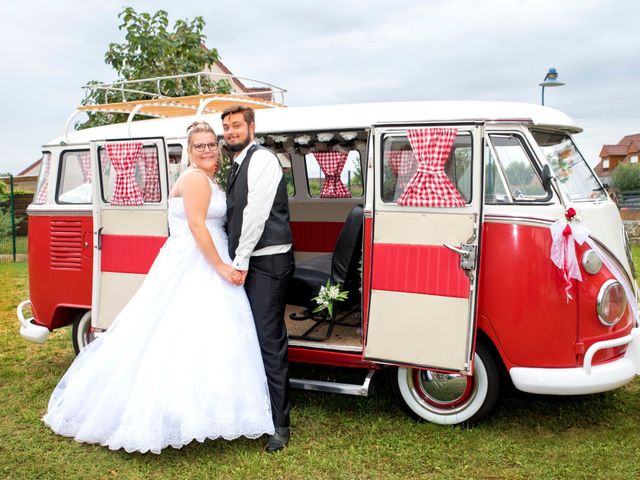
341, 266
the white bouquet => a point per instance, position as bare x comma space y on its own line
327, 296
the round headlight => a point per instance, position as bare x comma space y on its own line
611, 303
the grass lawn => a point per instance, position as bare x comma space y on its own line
333, 436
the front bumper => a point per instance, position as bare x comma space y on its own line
585, 379
29, 330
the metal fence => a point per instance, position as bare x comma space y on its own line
629, 199
16, 193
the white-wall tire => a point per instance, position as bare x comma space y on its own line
450, 399
81, 334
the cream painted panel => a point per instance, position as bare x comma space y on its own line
321, 210
135, 222
116, 289
418, 330
422, 228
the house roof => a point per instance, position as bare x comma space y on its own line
613, 150
29, 168
629, 139
255, 91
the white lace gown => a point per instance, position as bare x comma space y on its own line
181, 361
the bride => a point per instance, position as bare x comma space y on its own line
182, 360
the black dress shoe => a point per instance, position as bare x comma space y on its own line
278, 440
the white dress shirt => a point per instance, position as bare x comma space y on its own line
263, 176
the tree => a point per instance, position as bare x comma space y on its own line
151, 50
519, 174
626, 177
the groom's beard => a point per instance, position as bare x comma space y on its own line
238, 147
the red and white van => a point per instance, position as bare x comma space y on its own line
457, 280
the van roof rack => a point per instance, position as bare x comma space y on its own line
157, 102
179, 106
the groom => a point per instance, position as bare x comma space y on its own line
260, 245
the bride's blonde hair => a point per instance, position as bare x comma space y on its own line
198, 126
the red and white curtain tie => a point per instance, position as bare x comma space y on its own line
331, 164
430, 186
124, 156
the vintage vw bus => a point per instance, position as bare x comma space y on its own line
440, 218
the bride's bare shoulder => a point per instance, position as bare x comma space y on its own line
193, 181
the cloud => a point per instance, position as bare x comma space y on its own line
344, 52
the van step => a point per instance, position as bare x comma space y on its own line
334, 387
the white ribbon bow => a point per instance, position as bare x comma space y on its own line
565, 235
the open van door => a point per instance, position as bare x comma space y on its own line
425, 246
130, 223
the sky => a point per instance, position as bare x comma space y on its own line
342, 51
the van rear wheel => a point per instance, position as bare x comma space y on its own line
450, 399
81, 333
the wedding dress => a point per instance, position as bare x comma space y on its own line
180, 362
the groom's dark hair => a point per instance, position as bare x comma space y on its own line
247, 112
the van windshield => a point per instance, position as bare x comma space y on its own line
569, 166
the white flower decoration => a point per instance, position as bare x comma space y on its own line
348, 136
325, 137
303, 139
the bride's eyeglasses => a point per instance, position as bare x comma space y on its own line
200, 147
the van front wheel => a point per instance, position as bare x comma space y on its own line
451, 399
81, 333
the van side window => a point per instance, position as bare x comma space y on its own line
287, 171
42, 187
173, 166
495, 190
518, 171
147, 175
347, 179
399, 165
74, 185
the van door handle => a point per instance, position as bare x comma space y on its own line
467, 254
458, 250
99, 239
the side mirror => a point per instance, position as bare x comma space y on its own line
547, 176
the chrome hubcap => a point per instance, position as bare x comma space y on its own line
442, 392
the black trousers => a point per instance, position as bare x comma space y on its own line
266, 286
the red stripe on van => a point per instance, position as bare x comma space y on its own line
424, 269
315, 236
128, 253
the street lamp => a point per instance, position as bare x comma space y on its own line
550, 80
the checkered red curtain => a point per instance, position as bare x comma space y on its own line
124, 156
84, 160
430, 186
44, 189
151, 182
331, 164
402, 164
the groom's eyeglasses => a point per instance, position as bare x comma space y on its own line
200, 147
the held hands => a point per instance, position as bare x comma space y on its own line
243, 273
230, 274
